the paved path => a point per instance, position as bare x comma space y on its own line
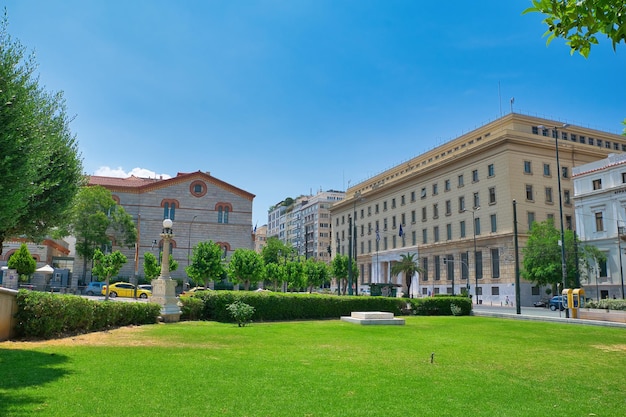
537, 314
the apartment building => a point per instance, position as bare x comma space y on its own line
453, 206
304, 223
201, 206
600, 207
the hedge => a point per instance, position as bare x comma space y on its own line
45, 315
275, 306
441, 305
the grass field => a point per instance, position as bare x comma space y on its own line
481, 367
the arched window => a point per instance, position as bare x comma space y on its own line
223, 211
169, 210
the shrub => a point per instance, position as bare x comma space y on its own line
272, 306
191, 308
241, 312
607, 304
45, 315
441, 306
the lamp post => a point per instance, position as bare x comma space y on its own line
164, 288
189, 241
518, 307
558, 177
620, 232
475, 264
349, 255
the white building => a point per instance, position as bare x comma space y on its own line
600, 208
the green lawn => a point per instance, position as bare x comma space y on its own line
482, 367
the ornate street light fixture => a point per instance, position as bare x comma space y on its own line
164, 288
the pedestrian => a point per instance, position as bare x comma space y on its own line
506, 301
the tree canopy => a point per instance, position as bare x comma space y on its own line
316, 273
40, 168
152, 269
105, 266
542, 256
246, 267
339, 267
408, 265
580, 21
22, 261
206, 263
96, 220
275, 251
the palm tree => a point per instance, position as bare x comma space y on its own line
409, 266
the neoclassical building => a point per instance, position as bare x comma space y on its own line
201, 206
452, 207
600, 200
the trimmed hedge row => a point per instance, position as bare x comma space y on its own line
45, 315
275, 306
441, 305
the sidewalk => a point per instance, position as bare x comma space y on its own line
536, 314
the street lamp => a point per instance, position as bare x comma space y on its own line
352, 245
189, 240
620, 232
164, 287
558, 177
475, 265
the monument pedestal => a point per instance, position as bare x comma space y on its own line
164, 294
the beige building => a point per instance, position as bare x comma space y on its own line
458, 198
260, 238
201, 206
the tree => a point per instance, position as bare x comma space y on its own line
105, 266
339, 267
316, 273
246, 267
151, 267
275, 273
96, 221
542, 256
206, 263
274, 250
294, 275
408, 265
40, 168
22, 261
578, 22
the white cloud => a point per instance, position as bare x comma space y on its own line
120, 173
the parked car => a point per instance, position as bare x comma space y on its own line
194, 289
541, 303
94, 288
557, 302
125, 289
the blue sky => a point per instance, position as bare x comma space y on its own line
285, 97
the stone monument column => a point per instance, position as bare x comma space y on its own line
164, 287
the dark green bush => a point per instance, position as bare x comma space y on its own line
45, 315
273, 306
440, 305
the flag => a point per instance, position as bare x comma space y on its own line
377, 235
401, 233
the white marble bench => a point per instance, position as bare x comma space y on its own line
372, 317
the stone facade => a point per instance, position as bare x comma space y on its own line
201, 207
466, 186
600, 197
